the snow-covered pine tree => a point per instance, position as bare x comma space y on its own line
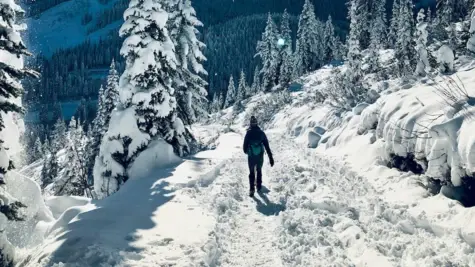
74, 179
110, 96
364, 22
268, 52
231, 94
354, 57
423, 66
378, 29
452, 10
404, 50
242, 87
147, 98
220, 101
50, 169
38, 149
190, 87
285, 71
12, 70
256, 82
377, 35
329, 41
306, 59
339, 52
394, 24
471, 40
107, 102
58, 135
214, 104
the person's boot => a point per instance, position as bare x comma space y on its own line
251, 192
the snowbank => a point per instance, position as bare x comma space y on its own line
146, 223
31, 231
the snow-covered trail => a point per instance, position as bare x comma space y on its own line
317, 213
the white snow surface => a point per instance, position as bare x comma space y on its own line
334, 205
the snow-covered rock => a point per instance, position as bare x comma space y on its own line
313, 139
445, 58
358, 109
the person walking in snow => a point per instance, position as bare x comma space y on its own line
254, 144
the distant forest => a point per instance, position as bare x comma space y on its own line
232, 29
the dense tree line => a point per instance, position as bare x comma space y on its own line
72, 73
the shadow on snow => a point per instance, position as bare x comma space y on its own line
265, 206
106, 233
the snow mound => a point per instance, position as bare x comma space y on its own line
146, 223
446, 58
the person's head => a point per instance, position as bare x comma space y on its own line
253, 121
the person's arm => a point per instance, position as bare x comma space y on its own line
266, 145
246, 143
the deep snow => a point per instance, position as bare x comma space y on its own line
334, 205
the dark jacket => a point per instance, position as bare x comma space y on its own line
255, 134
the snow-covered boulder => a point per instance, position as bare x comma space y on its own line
445, 58
359, 108
313, 139
369, 118
319, 130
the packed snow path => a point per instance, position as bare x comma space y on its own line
317, 213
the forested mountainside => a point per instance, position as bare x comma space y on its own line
75, 62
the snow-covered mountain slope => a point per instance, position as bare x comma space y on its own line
64, 26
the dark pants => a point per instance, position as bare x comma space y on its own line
255, 165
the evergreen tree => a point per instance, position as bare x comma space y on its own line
354, 57
107, 102
268, 52
74, 179
242, 87
214, 105
450, 11
404, 50
58, 135
377, 35
423, 66
285, 49
363, 22
394, 27
378, 27
307, 47
148, 105
12, 70
231, 94
110, 97
191, 88
471, 40
38, 149
330, 41
50, 169
339, 53
256, 82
